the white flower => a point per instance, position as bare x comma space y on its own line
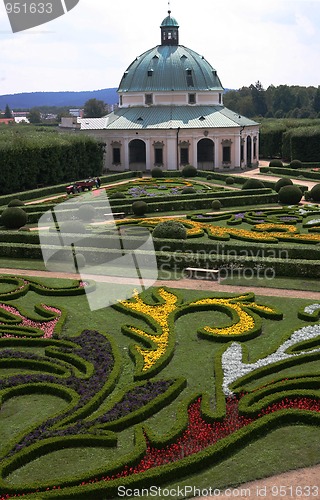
234, 368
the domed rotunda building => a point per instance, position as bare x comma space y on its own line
171, 114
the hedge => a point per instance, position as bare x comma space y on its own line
47, 158
291, 173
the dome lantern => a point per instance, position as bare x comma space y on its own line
169, 31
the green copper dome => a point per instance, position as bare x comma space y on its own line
170, 68
169, 21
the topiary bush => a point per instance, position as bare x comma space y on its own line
13, 218
253, 184
188, 190
315, 192
74, 227
117, 195
275, 163
296, 164
157, 172
209, 177
229, 180
290, 195
139, 207
216, 204
189, 171
170, 229
86, 212
16, 203
282, 182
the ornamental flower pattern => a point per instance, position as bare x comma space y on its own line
245, 322
265, 232
158, 316
206, 432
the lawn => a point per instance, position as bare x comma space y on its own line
169, 388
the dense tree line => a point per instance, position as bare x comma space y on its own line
275, 102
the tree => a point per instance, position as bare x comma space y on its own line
7, 113
94, 108
259, 99
34, 116
316, 100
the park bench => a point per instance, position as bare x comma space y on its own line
115, 215
198, 272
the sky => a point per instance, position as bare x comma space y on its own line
274, 41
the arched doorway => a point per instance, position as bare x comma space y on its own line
249, 151
205, 154
137, 155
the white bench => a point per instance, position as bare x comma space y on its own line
115, 215
196, 272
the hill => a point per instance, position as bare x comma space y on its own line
59, 99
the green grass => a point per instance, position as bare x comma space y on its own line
279, 451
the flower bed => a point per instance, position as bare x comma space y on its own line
107, 398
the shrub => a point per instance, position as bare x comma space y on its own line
86, 212
315, 192
157, 172
296, 164
229, 180
13, 218
290, 195
275, 163
253, 184
188, 190
189, 171
209, 177
116, 195
139, 207
282, 182
74, 227
170, 229
16, 203
216, 204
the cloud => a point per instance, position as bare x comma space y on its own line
90, 47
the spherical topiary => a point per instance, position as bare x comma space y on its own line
81, 260
139, 207
295, 164
16, 203
13, 218
315, 192
86, 212
282, 182
116, 195
216, 204
188, 190
275, 163
189, 171
74, 227
170, 229
209, 177
157, 172
290, 195
253, 184
229, 180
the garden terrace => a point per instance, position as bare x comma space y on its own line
121, 400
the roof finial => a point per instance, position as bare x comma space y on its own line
169, 7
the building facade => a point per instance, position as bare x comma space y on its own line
171, 114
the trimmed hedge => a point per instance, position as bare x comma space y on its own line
170, 229
290, 195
